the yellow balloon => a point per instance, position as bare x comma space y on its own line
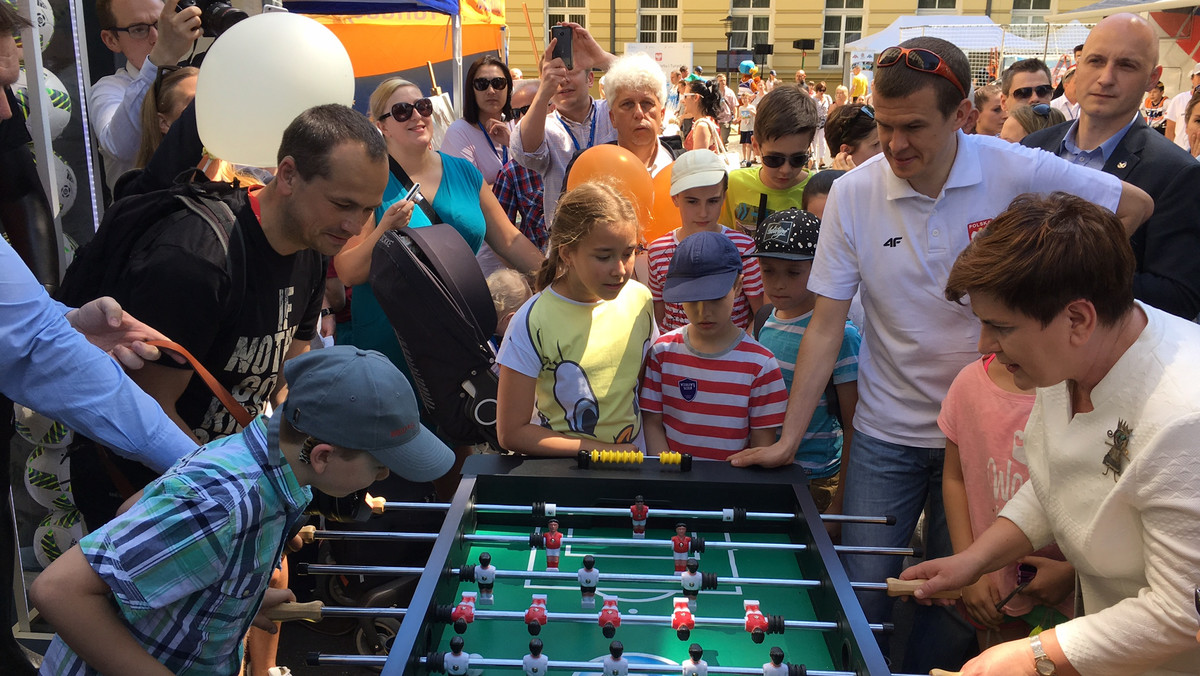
259, 75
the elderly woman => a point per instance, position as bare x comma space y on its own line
451, 188
635, 89
1110, 443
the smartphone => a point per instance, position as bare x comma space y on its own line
414, 194
562, 48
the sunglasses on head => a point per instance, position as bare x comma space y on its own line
163, 72
921, 60
403, 111
1025, 92
866, 111
481, 84
1041, 109
775, 161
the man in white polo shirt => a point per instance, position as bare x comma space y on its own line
892, 229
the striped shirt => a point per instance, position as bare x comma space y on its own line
820, 451
663, 249
189, 563
710, 402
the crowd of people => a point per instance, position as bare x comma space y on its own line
978, 312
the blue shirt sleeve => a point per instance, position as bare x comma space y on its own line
50, 367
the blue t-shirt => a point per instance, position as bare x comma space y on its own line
820, 450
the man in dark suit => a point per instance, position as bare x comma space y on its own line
1117, 68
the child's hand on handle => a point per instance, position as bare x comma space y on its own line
981, 599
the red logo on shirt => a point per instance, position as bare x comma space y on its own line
974, 228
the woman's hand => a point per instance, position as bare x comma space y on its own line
499, 132
842, 161
1053, 582
397, 215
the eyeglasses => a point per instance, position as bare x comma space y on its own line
401, 112
481, 84
1025, 92
775, 161
1041, 109
163, 72
921, 60
137, 31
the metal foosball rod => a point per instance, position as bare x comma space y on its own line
377, 661
699, 545
315, 611
893, 586
549, 509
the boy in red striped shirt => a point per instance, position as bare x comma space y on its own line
710, 389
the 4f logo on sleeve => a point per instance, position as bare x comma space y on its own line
688, 389
893, 242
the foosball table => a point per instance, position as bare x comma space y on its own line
615, 565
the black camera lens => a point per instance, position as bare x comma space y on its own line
220, 16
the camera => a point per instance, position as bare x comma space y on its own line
216, 17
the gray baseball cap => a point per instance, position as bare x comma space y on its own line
357, 399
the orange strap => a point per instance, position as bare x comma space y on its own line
240, 414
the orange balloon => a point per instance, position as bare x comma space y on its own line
610, 163
664, 216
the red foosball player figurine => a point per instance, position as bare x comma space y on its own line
535, 617
680, 543
681, 620
464, 612
775, 667
756, 622
610, 617
588, 577
553, 540
639, 512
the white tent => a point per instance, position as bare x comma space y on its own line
969, 32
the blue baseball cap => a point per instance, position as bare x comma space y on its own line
704, 267
357, 399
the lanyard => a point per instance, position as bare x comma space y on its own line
504, 160
591, 135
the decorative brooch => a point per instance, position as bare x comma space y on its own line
1118, 448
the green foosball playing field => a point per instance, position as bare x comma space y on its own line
655, 643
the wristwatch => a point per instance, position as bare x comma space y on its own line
1041, 662
325, 311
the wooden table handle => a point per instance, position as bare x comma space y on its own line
943, 672
307, 534
295, 611
898, 587
376, 503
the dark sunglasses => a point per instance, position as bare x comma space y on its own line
1041, 109
481, 84
774, 161
1025, 92
518, 113
921, 60
401, 112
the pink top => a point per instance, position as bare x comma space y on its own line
988, 425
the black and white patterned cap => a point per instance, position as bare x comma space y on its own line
790, 235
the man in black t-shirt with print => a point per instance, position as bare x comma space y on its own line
244, 314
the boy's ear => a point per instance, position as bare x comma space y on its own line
737, 286
320, 456
754, 145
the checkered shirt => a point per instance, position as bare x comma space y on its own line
519, 191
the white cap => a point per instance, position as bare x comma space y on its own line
696, 169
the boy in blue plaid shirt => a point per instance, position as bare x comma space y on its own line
172, 585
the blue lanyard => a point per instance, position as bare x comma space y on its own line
591, 135
503, 161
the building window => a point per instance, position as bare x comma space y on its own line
937, 6
558, 11
843, 24
1030, 11
658, 20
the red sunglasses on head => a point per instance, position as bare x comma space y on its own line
921, 60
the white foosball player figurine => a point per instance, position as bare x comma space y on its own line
589, 577
535, 663
485, 575
691, 580
456, 662
614, 664
775, 667
694, 666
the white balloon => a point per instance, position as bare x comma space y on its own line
259, 75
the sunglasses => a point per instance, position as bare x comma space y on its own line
865, 111
1025, 92
518, 113
137, 31
1041, 109
921, 60
481, 84
403, 111
774, 161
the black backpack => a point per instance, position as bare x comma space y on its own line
831, 397
134, 222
